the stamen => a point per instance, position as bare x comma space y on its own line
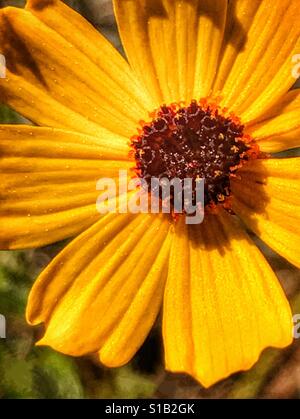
198, 141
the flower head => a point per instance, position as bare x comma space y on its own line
205, 93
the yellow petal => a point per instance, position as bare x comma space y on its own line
267, 198
54, 50
240, 15
48, 179
173, 45
141, 314
31, 102
211, 25
109, 298
262, 69
223, 304
281, 129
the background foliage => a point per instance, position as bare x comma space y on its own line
27, 371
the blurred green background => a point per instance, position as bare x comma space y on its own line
27, 371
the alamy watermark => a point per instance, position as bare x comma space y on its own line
296, 66
2, 327
136, 195
2, 67
296, 327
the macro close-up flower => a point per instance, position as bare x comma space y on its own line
205, 91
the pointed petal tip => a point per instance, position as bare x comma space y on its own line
206, 379
41, 342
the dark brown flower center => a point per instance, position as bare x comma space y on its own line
199, 141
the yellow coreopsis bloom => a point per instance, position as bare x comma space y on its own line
222, 303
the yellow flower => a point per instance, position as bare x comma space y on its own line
222, 303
